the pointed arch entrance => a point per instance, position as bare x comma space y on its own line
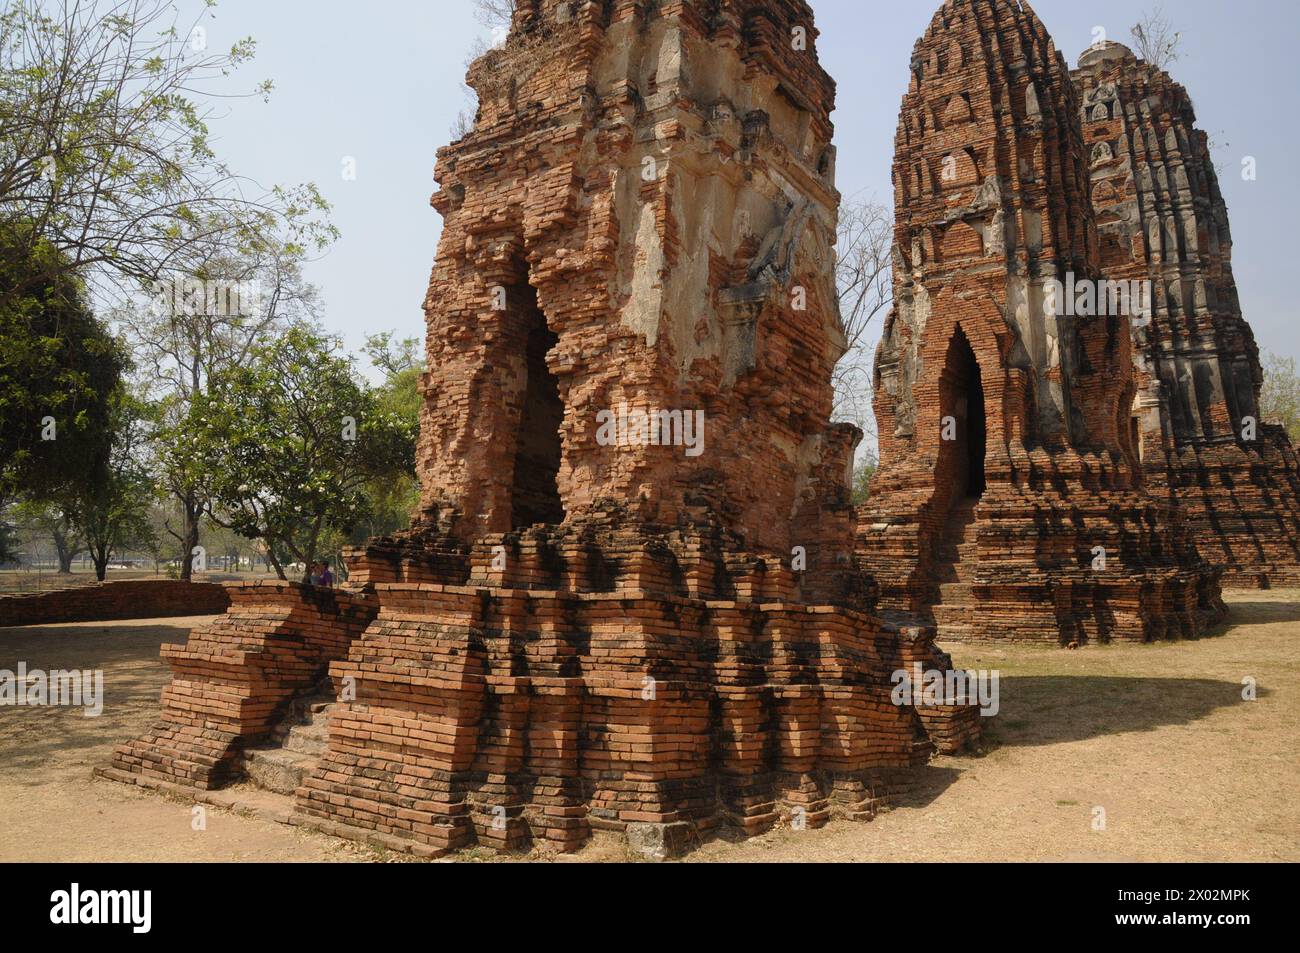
961, 394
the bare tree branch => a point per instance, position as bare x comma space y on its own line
864, 279
1155, 39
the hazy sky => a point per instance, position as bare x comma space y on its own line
381, 83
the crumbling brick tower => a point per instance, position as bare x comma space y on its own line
587, 628
1162, 218
1010, 500
621, 633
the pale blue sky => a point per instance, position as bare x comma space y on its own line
381, 82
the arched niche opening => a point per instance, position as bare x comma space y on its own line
961, 394
535, 494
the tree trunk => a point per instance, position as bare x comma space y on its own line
65, 553
190, 536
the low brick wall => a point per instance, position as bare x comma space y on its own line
144, 599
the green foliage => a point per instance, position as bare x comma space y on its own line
862, 476
1280, 398
110, 506
393, 496
57, 363
105, 145
289, 441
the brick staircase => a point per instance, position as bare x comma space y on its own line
296, 745
955, 572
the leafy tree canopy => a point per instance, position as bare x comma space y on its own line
288, 443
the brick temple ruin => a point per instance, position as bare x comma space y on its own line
636, 596
630, 600
1161, 217
1049, 473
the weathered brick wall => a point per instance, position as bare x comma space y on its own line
145, 599
1162, 218
976, 372
650, 193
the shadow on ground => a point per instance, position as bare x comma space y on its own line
1262, 613
134, 676
1050, 709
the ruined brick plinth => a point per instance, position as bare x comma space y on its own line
232, 678
697, 688
1161, 217
1011, 499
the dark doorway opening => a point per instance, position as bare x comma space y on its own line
536, 496
964, 401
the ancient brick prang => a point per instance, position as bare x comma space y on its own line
1162, 218
1010, 500
641, 221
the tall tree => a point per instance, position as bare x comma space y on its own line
236, 299
58, 365
110, 507
105, 149
288, 442
864, 279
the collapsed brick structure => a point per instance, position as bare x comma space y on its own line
1161, 217
629, 601
1011, 500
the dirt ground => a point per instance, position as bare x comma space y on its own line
1158, 737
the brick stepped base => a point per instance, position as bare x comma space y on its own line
507, 716
1020, 572
671, 687
614, 679
233, 680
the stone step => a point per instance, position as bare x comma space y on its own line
310, 738
948, 615
277, 770
955, 632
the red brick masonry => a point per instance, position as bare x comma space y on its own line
233, 678
145, 599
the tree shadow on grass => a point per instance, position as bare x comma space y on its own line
1052, 709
